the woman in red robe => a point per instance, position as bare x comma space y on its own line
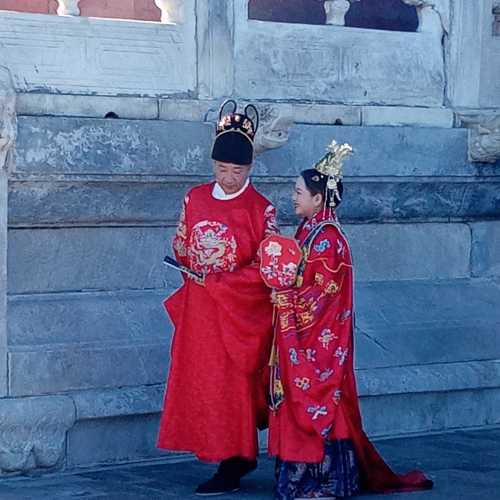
316, 431
215, 397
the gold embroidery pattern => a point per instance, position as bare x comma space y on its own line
212, 248
331, 287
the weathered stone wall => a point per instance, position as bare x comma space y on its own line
93, 203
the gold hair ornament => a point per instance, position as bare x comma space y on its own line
331, 166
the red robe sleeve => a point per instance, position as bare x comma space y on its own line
244, 308
314, 334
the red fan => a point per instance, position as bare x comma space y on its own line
279, 261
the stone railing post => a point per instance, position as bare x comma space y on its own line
215, 55
68, 8
172, 11
336, 11
8, 131
433, 15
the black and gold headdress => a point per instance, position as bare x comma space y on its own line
235, 133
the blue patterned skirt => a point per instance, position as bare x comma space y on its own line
336, 476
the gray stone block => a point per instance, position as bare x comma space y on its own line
418, 322
97, 146
87, 320
378, 151
118, 402
52, 370
33, 432
486, 248
121, 202
389, 201
100, 202
430, 411
433, 377
111, 441
385, 252
111, 258
64, 342
100, 258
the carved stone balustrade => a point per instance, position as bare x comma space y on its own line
68, 8
336, 11
172, 11
433, 15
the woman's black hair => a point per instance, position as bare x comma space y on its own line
316, 184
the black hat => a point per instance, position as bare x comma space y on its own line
234, 135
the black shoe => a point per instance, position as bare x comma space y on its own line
237, 467
218, 485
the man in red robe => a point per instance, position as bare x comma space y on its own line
215, 397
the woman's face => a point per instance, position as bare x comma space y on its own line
305, 204
231, 177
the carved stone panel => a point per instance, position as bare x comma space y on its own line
484, 137
320, 63
86, 56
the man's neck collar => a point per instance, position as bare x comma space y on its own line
219, 194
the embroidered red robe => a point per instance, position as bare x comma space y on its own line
215, 396
314, 373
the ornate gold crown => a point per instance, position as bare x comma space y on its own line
331, 166
331, 163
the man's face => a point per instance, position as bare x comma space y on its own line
230, 176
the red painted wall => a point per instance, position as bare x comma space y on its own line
36, 6
143, 10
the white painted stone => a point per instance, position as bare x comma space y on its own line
405, 116
143, 108
33, 432
336, 64
88, 55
